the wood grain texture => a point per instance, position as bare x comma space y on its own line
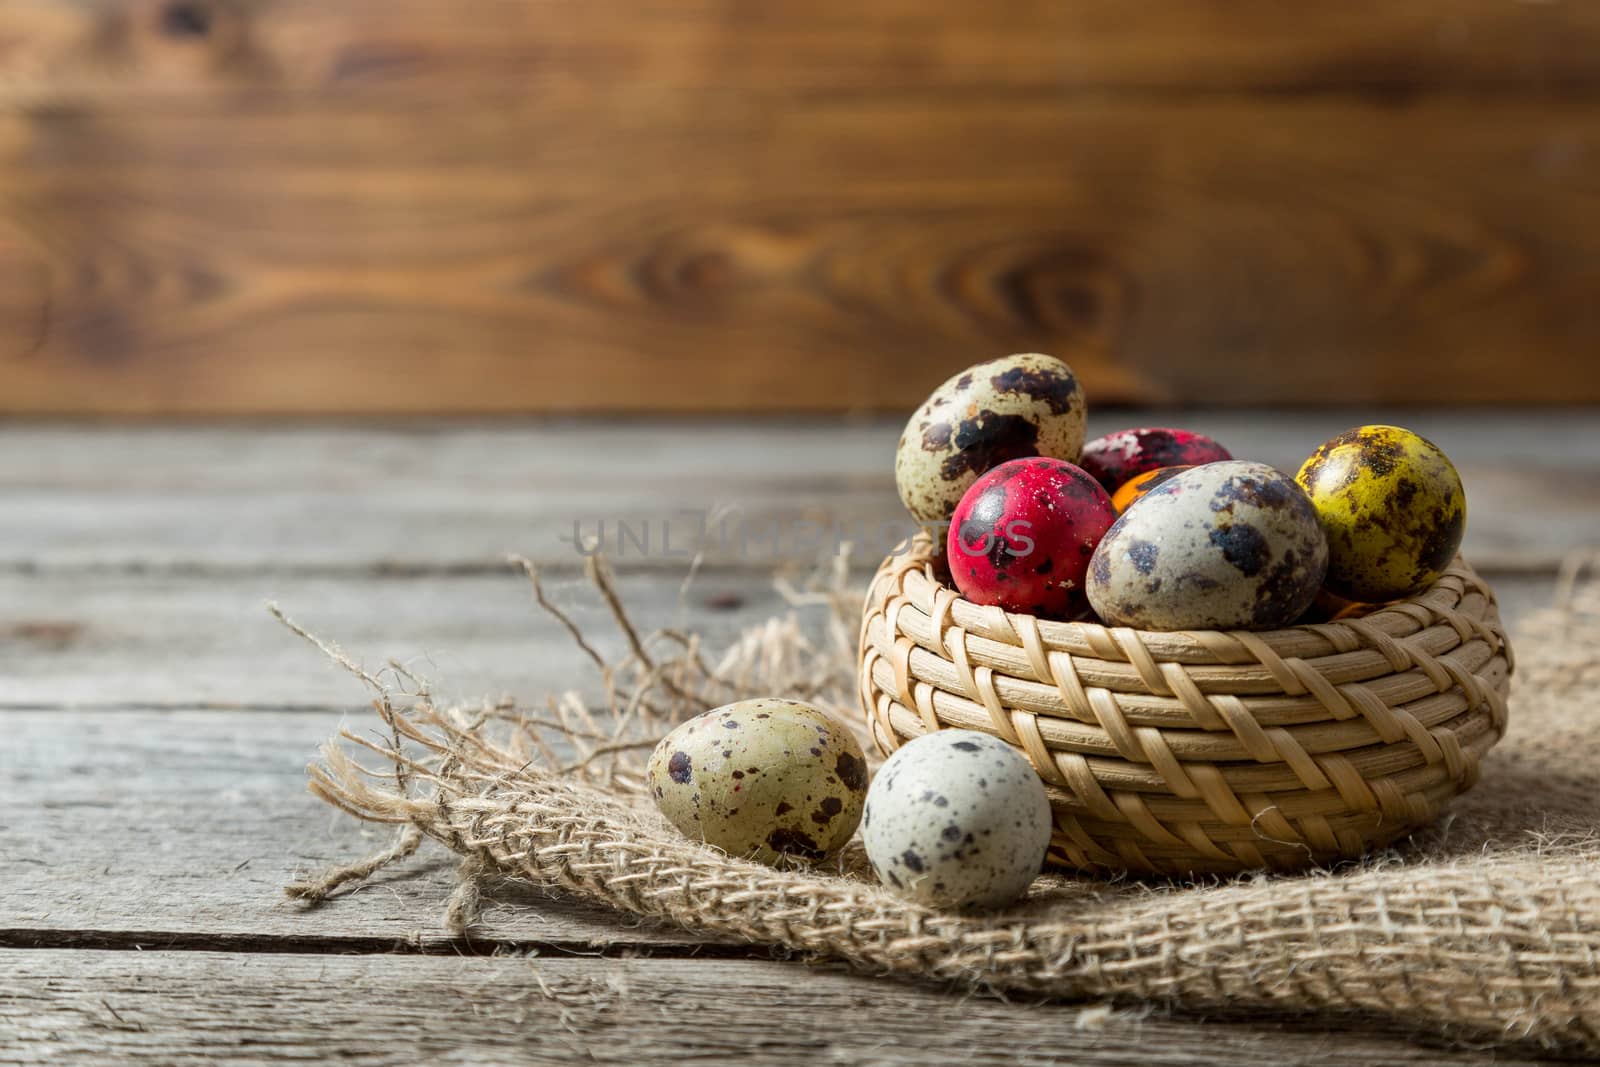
133, 50
180, 829
164, 1008
91, 640
456, 498
180, 641
302, 207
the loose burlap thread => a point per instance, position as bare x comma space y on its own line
1485, 927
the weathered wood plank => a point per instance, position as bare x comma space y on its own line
121, 51
705, 250
91, 641
144, 829
190, 821
95, 640
164, 1008
454, 497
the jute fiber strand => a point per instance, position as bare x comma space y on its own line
1203, 751
1482, 927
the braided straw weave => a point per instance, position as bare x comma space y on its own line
1202, 751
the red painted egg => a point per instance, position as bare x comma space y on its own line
1022, 536
1118, 458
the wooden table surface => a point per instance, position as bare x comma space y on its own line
155, 725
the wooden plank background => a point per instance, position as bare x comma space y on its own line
382, 206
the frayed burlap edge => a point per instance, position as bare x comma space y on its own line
1499, 943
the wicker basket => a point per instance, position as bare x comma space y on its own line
1202, 751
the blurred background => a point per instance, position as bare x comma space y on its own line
269, 207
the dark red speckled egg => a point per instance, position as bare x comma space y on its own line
1023, 534
1118, 458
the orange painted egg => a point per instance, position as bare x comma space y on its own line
1331, 607
1131, 490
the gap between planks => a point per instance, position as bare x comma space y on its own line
357, 945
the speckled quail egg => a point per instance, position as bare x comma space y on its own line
1022, 405
957, 818
1392, 507
763, 778
1223, 546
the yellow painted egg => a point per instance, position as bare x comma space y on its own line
1392, 507
765, 779
1009, 408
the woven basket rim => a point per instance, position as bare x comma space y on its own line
1398, 619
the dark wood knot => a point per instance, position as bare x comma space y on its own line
184, 18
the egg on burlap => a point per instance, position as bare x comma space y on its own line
1021, 405
957, 818
763, 779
